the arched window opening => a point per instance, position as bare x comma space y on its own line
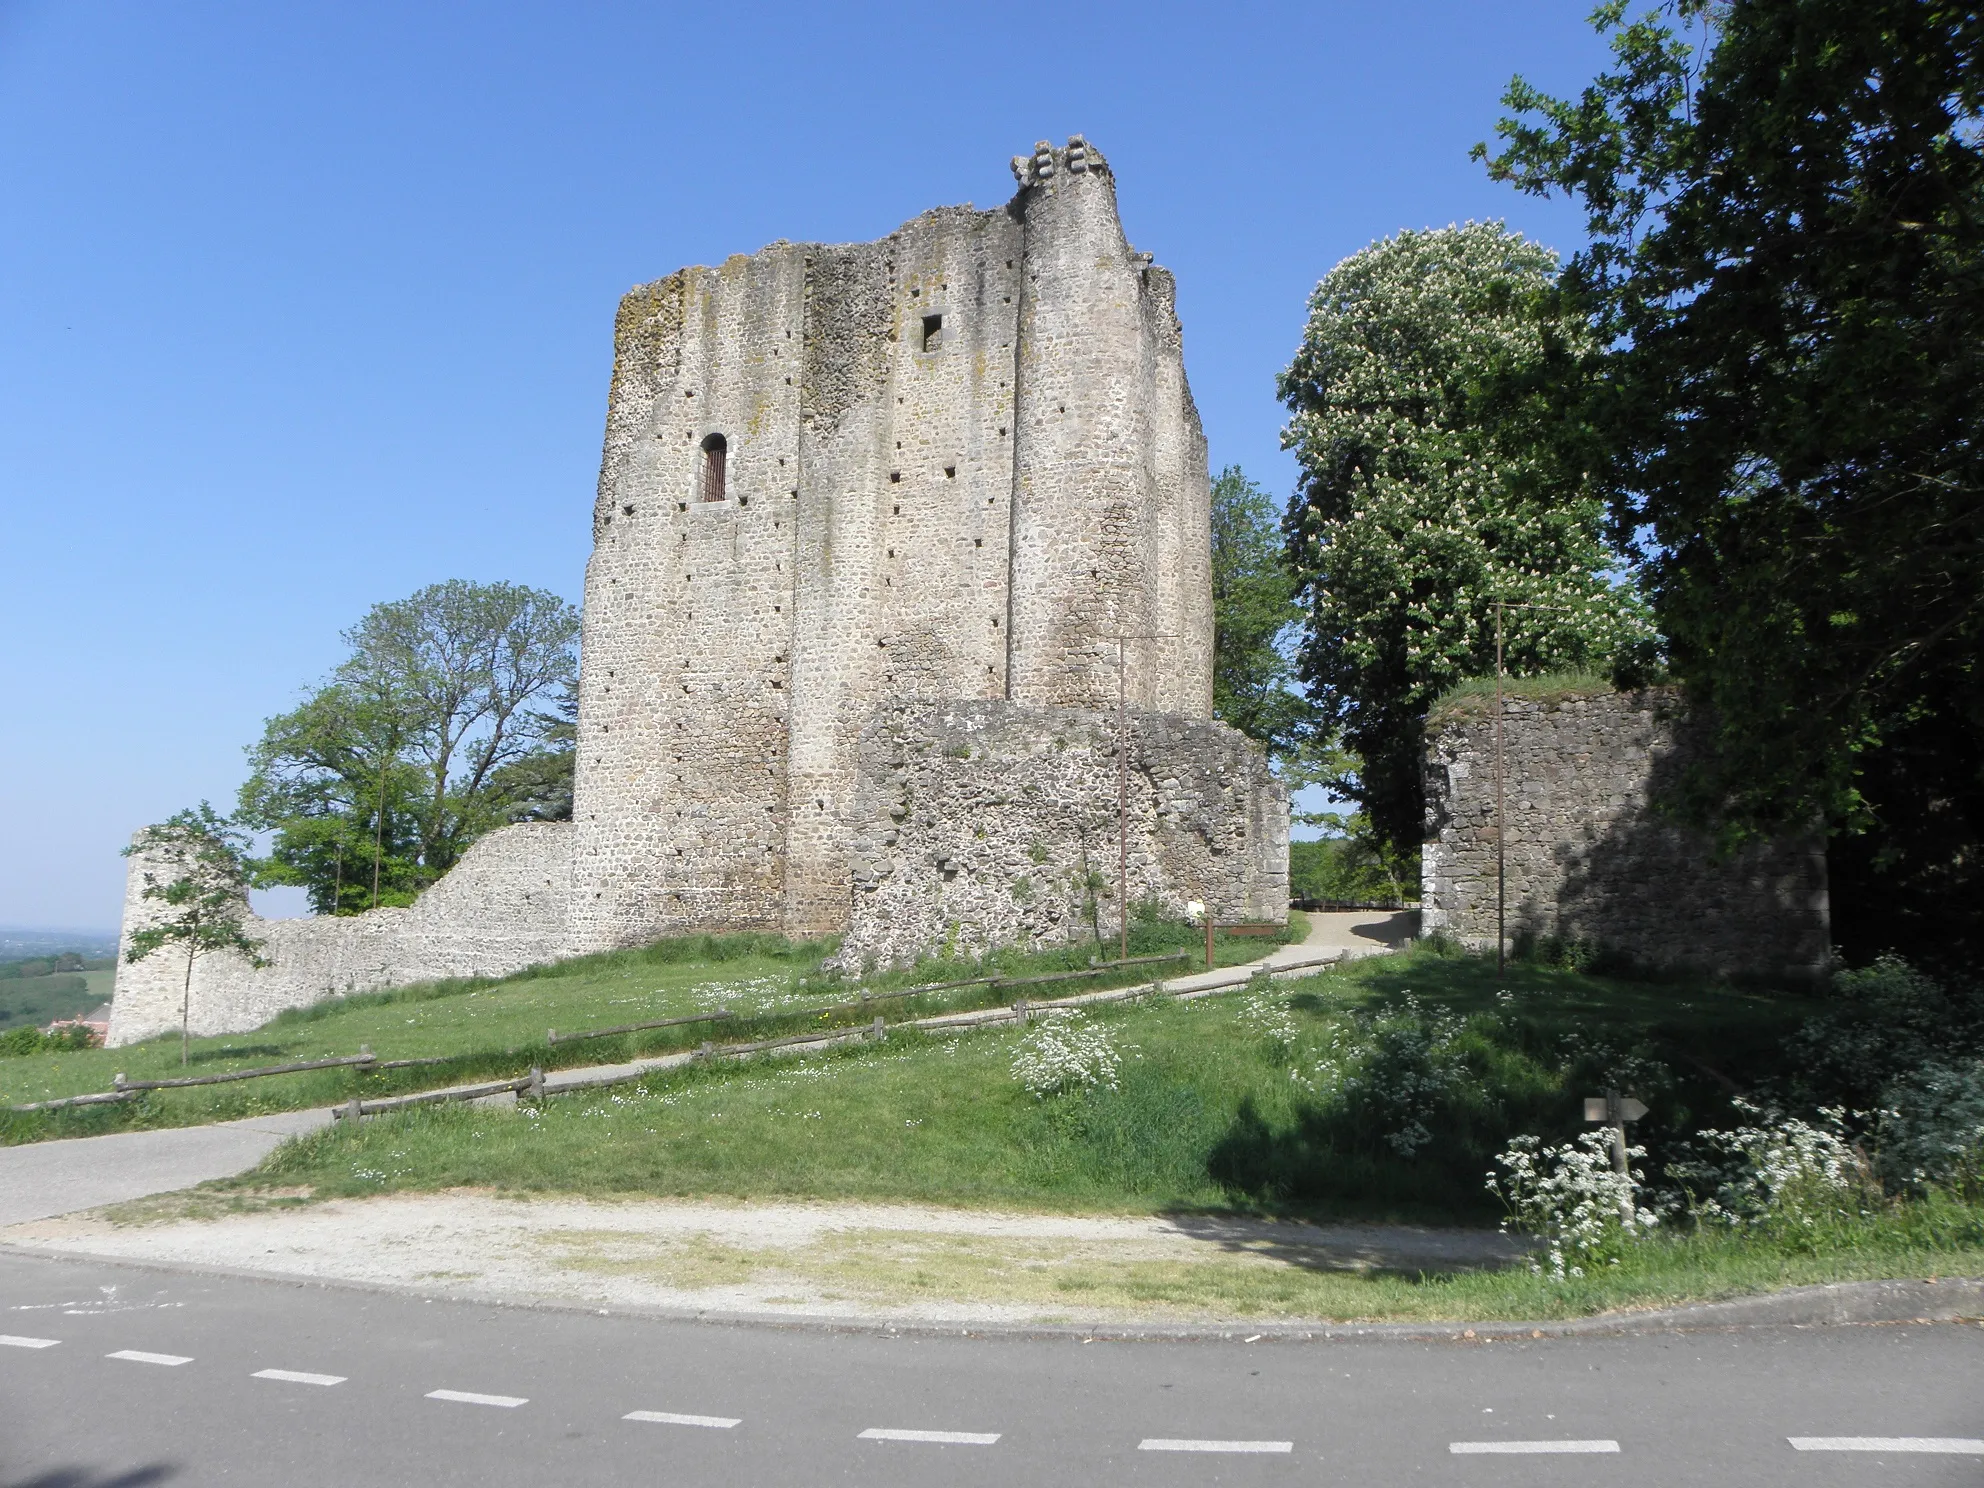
716, 454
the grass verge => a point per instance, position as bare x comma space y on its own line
1262, 1280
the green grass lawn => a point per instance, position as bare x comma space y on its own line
497, 1028
1213, 1110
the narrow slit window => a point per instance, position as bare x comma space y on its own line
933, 332
716, 456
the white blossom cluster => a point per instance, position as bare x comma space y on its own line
1400, 1063
1066, 1052
1778, 1171
1270, 1017
1572, 1199
1416, 513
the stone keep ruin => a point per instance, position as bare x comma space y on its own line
871, 520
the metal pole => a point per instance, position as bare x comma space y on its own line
1501, 844
1122, 807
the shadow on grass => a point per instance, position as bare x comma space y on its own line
1405, 1252
238, 1051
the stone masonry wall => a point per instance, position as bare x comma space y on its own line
501, 909
987, 824
1589, 859
962, 460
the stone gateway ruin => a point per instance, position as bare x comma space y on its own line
1587, 853
875, 522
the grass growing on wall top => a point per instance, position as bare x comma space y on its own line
1476, 697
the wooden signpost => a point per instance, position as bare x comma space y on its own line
1616, 1110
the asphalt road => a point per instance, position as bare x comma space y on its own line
383, 1389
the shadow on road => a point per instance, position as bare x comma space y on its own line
84, 1477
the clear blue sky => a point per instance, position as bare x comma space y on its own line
306, 305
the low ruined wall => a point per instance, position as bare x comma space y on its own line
983, 824
502, 908
1589, 858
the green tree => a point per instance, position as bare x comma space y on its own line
1785, 204
1255, 618
1421, 399
203, 896
431, 733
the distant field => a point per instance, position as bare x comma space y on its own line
43, 999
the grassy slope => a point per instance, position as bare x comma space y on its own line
1206, 1119
495, 1029
1206, 1116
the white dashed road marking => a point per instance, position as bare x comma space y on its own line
298, 1377
947, 1438
138, 1357
1188, 1444
1469, 1448
469, 1397
1965, 1446
10, 1340
669, 1418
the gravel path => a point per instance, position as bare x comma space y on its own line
811, 1260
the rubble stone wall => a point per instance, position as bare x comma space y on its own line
502, 908
1590, 858
985, 824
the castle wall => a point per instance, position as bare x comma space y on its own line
502, 908
681, 796
970, 515
986, 824
906, 481
1102, 529
1588, 856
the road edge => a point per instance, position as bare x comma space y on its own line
1947, 1299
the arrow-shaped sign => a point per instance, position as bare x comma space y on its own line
1626, 1108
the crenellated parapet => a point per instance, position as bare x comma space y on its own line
1077, 158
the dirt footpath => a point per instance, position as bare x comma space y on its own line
813, 1260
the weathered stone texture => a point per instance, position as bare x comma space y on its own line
1588, 856
500, 910
962, 460
980, 824
959, 463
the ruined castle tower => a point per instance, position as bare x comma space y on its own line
871, 518
949, 465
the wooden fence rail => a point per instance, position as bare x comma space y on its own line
352, 1109
553, 1036
363, 1057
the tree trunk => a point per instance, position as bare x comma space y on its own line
186, 997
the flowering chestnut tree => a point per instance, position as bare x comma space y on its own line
1427, 403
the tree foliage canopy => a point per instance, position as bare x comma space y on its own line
1785, 201
1255, 617
1428, 492
432, 732
203, 892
